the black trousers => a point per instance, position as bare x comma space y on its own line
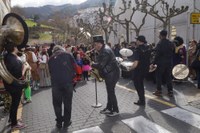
85, 75
111, 80
62, 95
139, 85
16, 94
164, 71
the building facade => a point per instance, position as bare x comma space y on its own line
5, 7
179, 25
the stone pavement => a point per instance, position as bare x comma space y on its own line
39, 115
40, 118
3, 119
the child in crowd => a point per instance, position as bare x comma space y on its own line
86, 68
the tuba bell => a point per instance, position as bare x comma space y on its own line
15, 30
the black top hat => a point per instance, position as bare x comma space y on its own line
163, 33
141, 39
98, 38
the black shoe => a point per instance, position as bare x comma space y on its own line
105, 111
139, 103
59, 125
66, 125
157, 93
112, 113
170, 94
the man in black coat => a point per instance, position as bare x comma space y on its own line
109, 70
164, 60
62, 71
141, 62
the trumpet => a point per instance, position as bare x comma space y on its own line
94, 71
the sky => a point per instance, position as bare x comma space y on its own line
36, 3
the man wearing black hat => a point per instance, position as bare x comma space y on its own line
163, 60
108, 69
141, 59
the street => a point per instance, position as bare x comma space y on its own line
162, 114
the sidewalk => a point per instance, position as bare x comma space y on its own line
39, 115
3, 119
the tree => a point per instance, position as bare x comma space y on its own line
126, 22
89, 23
167, 11
106, 22
35, 17
61, 24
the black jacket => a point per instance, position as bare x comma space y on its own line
61, 68
14, 66
164, 52
142, 54
106, 61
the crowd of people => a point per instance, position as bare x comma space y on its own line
62, 66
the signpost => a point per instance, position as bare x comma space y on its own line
195, 18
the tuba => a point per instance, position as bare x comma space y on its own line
15, 30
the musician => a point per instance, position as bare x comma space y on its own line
62, 71
109, 70
14, 66
163, 60
141, 61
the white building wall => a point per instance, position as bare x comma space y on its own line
153, 26
5, 6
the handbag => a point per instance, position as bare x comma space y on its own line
42, 65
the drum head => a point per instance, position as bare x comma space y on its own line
180, 71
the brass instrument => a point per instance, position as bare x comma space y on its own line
94, 71
15, 30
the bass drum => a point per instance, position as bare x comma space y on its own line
180, 71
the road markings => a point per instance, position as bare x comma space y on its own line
148, 96
184, 115
96, 129
143, 125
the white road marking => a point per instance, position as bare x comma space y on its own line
90, 130
184, 115
143, 125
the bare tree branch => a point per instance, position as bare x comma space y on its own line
167, 11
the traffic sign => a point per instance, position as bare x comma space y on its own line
195, 18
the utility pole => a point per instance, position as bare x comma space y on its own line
155, 29
194, 6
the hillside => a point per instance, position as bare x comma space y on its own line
45, 12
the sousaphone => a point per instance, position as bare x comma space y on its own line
15, 30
